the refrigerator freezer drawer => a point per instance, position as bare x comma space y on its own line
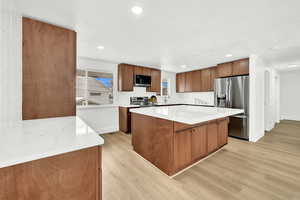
238, 127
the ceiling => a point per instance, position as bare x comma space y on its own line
172, 33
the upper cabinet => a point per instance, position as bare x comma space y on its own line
125, 77
224, 70
126, 73
240, 67
235, 68
180, 82
203, 80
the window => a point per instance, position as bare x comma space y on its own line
165, 87
94, 88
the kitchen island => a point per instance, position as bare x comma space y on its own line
57, 158
174, 137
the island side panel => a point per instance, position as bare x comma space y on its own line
70, 176
152, 138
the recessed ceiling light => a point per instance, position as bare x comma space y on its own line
183, 66
228, 55
293, 66
137, 10
100, 47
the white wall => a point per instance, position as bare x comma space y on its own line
272, 80
290, 95
10, 63
257, 69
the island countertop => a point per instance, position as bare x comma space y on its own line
35, 139
187, 114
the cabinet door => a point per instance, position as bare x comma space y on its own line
224, 70
212, 78
222, 132
182, 149
205, 80
146, 71
123, 119
196, 81
155, 81
199, 142
188, 81
180, 82
212, 137
240, 67
138, 70
125, 76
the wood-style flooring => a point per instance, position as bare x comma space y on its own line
268, 169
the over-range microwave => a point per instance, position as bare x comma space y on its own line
142, 81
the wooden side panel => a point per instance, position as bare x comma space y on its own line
70, 176
205, 80
146, 71
142, 130
8, 182
212, 137
49, 70
163, 145
199, 142
188, 82
240, 67
224, 70
180, 82
124, 120
196, 81
125, 77
222, 132
182, 149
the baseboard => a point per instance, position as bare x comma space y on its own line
257, 137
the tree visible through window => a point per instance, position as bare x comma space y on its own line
94, 88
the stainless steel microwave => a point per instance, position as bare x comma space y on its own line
142, 81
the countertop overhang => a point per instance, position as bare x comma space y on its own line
35, 139
187, 114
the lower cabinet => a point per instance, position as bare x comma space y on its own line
182, 149
70, 176
222, 132
212, 137
199, 142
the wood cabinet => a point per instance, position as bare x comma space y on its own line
212, 137
172, 146
224, 70
126, 73
49, 70
180, 82
222, 132
199, 142
213, 76
205, 80
70, 176
188, 82
125, 119
155, 81
182, 148
196, 81
240, 67
125, 77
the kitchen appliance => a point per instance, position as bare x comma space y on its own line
233, 92
142, 81
141, 101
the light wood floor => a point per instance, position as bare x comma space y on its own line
268, 169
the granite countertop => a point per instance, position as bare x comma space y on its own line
187, 114
35, 139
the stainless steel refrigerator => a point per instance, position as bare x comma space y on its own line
233, 92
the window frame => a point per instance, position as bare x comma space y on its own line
86, 71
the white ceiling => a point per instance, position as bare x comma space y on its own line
171, 33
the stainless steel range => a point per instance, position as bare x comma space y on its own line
141, 101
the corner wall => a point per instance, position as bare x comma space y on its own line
10, 62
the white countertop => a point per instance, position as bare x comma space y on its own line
35, 139
187, 114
